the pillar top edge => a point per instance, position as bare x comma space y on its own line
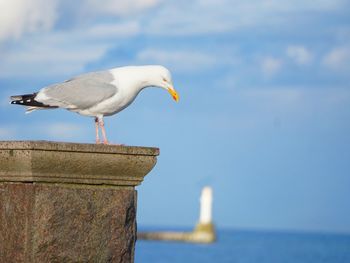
78, 147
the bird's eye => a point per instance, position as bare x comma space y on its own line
164, 79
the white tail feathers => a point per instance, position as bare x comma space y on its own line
30, 109
16, 97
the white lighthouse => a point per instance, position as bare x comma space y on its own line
206, 202
205, 230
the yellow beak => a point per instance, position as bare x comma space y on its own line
174, 94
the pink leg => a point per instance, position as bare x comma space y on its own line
103, 130
97, 131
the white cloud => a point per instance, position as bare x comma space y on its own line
299, 100
167, 17
276, 106
26, 16
49, 60
67, 51
119, 7
63, 53
181, 60
208, 16
123, 29
18, 17
338, 59
299, 54
57, 53
270, 66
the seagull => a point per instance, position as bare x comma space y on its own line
99, 94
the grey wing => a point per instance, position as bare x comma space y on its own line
81, 92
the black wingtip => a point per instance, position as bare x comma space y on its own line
16, 102
20, 102
28, 100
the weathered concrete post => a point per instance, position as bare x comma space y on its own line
66, 202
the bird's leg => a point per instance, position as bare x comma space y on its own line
97, 130
102, 125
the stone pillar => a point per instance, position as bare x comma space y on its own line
67, 202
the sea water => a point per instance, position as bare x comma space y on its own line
250, 247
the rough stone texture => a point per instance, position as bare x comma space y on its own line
90, 219
41, 161
57, 223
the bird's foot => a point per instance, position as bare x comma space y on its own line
117, 144
105, 142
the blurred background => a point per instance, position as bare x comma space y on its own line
264, 106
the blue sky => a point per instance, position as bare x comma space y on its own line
264, 103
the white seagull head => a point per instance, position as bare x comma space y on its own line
159, 76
